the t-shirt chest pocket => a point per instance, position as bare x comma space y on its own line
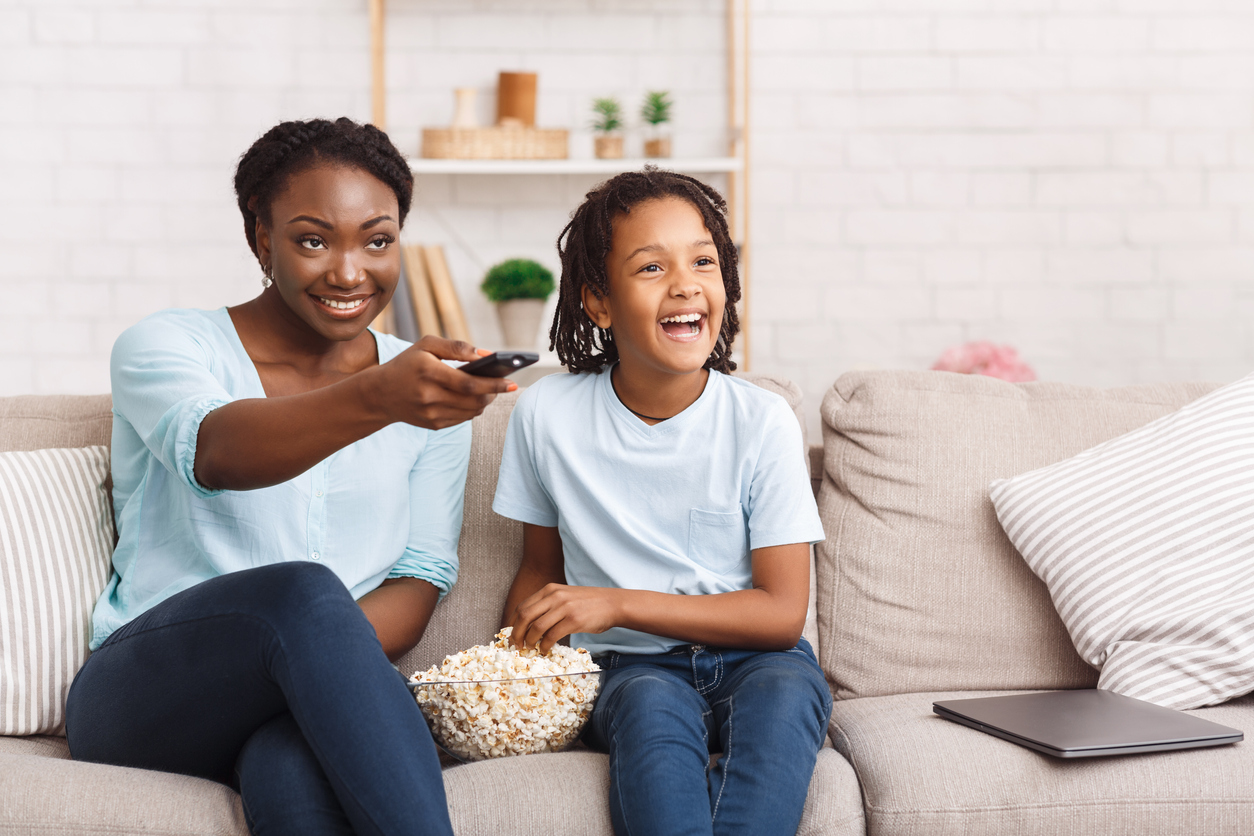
717, 539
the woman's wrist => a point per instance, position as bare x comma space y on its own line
373, 390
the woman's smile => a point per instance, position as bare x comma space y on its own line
341, 308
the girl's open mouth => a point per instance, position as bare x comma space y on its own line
683, 327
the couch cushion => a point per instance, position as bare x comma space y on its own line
491, 545
921, 775
51, 796
538, 795
1144, 543
33, 422
40, 745
919, 588
56, 540
554, 795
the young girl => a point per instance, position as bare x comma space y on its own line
667, 521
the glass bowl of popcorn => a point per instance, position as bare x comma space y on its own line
494, 700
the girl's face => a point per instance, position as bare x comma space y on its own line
332, 246
666, 298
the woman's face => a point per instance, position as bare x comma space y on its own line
332, 246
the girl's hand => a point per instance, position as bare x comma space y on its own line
558, 610
417, 388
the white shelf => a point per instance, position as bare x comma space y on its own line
690, 165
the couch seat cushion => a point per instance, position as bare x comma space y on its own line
921, 774
44, 792
568, 793
539, 795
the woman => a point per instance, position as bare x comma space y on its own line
288, 495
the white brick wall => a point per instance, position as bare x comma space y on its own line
1070, 176
1075, 177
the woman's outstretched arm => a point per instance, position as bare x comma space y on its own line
258, 442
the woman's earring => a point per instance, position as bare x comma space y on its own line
267, 276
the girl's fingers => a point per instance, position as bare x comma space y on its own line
556, 633
527, 614
542, 627
519, 635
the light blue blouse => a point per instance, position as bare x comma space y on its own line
387, 506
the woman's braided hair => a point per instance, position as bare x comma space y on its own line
292, 147
581, 345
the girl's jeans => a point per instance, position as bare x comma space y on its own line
661, 717
273, 680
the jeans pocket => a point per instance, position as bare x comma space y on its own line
718, 540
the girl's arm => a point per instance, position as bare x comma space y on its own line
399, 609
542, 609
542, 564
258, 442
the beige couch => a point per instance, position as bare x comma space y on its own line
919, 596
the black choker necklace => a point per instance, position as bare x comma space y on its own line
629, 409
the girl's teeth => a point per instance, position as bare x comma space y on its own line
692, 317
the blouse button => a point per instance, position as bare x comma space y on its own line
314, 555
317, 493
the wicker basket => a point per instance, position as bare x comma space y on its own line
510, 143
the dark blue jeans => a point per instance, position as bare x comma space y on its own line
270, 679
661, 717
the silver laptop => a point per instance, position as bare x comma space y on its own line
1086, 724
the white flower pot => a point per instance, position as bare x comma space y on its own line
520, 321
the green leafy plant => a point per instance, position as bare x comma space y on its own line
656, 109
607, 115
518, 278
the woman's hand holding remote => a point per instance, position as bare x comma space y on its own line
422, 390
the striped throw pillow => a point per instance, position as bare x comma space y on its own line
56, 540
1146, 543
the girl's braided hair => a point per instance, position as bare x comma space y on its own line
293, 147
581, 345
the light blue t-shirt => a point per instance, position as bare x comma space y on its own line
674, 507
387, 506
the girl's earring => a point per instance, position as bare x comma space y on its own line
267, 276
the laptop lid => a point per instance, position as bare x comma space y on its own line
1085, 723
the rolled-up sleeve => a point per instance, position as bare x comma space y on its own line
163, 386
437, 486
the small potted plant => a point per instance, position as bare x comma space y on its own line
656, 114
607, 122
519, 287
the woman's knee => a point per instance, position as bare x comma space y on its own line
304, 599
300, 587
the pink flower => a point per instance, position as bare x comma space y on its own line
983, 357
